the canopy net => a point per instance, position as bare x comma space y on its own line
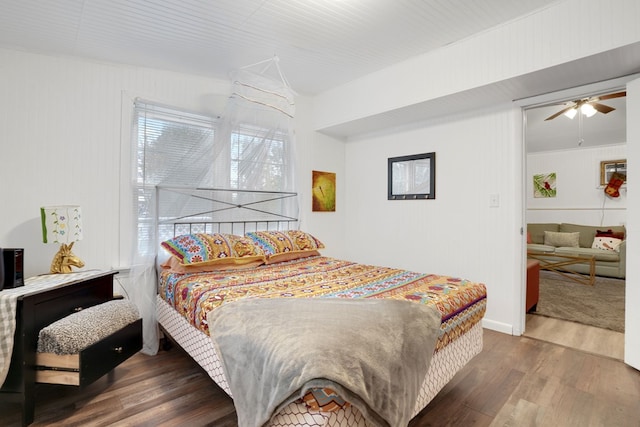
245, 172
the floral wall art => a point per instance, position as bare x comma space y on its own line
544, 185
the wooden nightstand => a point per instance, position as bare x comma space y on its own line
46, 299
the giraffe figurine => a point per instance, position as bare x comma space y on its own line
65, 259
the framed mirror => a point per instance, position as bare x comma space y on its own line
412, 177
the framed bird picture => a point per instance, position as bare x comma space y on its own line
323, 190
544, 185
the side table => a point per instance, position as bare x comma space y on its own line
533, 284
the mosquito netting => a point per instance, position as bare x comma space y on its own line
239, 167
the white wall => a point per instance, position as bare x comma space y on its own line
61, 144
632, 297
64, 131
540, 40
456, 234
322, 153
580, 199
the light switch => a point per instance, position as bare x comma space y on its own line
494, 200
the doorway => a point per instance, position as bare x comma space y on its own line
565, 151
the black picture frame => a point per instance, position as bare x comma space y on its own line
609, 167
412, 177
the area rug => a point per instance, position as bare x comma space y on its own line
600, 305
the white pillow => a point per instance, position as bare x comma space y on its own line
607, 244
558, 239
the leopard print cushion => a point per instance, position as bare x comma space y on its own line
78, 331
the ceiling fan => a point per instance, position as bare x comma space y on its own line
591, 103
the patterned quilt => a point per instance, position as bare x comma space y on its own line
462, 303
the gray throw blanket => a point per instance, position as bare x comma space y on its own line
374, 352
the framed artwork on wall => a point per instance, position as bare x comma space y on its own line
323, 191
610, 167
412, 177
544, 185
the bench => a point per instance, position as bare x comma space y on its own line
81, 347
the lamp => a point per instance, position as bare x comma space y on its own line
571, 113
588, 110
62, 224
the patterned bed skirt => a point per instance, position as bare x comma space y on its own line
444, 365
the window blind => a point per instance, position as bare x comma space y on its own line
173, 147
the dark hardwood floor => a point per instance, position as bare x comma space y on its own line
515, 381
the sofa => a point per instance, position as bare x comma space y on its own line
606, 243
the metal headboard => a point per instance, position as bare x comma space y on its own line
182, 210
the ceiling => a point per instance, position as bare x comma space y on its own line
563, 133
320, 43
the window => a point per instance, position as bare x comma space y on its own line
259, 159
182, 149
172, 147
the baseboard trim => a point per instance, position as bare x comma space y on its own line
505, 328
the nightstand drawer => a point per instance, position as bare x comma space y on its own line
92, 362
61, 302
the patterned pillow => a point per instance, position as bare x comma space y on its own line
217, 248
607, 243
305, 241
287, 245
610, 233
173, 264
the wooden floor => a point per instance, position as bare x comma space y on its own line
587, 338
515, 381
594, 340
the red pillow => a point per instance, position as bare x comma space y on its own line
610, 233
529, 240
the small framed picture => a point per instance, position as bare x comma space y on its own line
323, 191
412, 177
544, 185
609, 167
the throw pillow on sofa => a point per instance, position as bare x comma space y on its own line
559, 239
610, 233
607, 243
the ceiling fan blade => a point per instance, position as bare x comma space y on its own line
604, 109
612, 95
559, 113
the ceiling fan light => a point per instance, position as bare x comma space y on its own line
571, 113
588, 110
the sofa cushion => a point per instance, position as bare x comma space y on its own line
599, 254
540, 249
537, 231
588, 232
559, 239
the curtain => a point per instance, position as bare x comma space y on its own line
171, 147
256, 128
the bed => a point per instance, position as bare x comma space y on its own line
297, 269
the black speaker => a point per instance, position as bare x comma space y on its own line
1, 270
13, 267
